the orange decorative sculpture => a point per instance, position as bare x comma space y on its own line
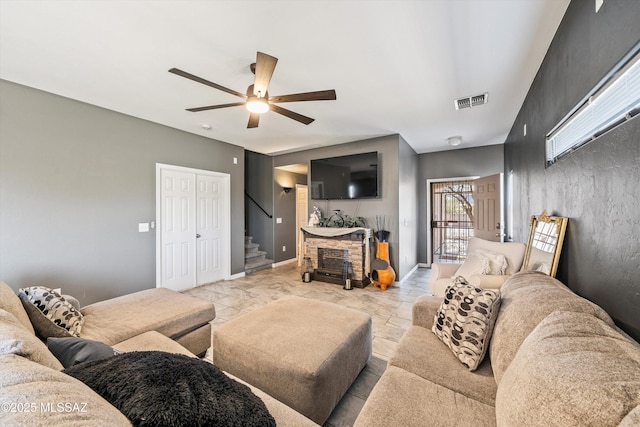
382, 273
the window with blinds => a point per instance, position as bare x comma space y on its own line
612, 102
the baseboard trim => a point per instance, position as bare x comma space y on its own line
406, 276
236, 276
285, 262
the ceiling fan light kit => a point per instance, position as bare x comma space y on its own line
257, 105
254, 101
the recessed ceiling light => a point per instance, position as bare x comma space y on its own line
206, 126
454, 141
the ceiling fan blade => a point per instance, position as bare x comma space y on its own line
288, 113
214, 107
254, 119
265, 64
321, 95
206, 82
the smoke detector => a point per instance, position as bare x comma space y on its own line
471, 101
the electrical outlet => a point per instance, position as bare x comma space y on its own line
284, 249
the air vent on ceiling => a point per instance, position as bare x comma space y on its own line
471, 101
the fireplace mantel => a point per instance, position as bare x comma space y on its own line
333, 231
356, 241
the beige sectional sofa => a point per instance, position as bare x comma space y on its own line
34, 391
555, 359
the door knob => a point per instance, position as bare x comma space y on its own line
197, 236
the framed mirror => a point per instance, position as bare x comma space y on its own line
545, 243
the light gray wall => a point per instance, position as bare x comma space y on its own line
478, 161
407, 207
75, 181
597, 185
387, 205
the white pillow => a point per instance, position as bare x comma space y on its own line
474, 264
497, 262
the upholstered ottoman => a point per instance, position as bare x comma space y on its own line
303, 352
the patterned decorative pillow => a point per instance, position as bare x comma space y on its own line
465, 321
50, 313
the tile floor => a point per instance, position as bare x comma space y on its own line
390, 311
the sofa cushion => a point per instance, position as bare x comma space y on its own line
513, 251
169, 312
10, 302
152, 341
465, 321
474, 264
50, 314
73, 350
421, 352
16, 339
498, 263
527, 298
53, 398
401, 398
139, 383
572, 370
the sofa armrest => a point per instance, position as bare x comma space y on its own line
442, 270
424, 310
488, 281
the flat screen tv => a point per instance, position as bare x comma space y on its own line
345, 177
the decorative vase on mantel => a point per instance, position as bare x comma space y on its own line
382, 235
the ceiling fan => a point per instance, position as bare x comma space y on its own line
257, 99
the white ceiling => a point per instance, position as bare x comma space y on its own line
396, 66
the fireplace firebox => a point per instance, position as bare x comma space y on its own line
330, 248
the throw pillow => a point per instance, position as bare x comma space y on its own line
497, 262
155, 388
72, 350
50, 314
474, 264
465, 319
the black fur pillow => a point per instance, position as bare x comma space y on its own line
154, 388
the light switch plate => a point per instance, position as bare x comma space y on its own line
278, 220
143, 227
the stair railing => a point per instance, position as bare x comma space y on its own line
257, 204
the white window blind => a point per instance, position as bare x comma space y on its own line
613, 101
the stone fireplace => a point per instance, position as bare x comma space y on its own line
329, 248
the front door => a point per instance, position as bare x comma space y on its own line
487, 208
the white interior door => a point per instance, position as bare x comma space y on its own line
178, 229
302, 208
193, 211
210, 230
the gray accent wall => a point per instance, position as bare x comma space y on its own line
259, 185
285, 209
478, 161
386, 205
75, 181
597, 185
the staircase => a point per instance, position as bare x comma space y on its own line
254, 259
